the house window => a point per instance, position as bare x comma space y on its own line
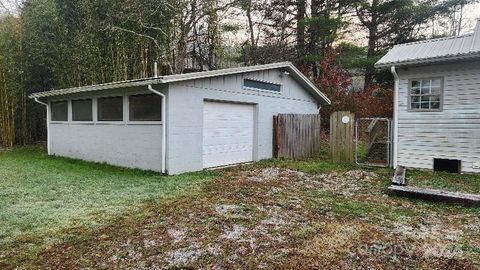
247, 83
145, 107
59, 110
82, 110
110, 109
426, 94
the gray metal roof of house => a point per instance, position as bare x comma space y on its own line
464, 47
288, 66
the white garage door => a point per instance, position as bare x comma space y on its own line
227, 133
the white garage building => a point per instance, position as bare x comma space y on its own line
178, 123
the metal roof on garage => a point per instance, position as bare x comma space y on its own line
457, 48
287, 66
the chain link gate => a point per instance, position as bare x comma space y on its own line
373, 142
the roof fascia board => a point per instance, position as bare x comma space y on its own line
427, 61
319, 96
98, 87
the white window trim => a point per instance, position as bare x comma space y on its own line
409, 89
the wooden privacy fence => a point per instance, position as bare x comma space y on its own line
341, 136
296, 135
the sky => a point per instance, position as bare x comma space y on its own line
472, 13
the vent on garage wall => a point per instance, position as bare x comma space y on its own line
447, 165
253, 84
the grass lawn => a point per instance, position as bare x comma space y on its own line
40, 195
66, 214
469, 183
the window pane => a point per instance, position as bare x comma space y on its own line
59, 111
82, 110
415, 105
415, 99
145, 107
415, 84
435, 98
425, 105
436, 83
435, 105
415, 91
261, 85
426, 83
425, 90
110, 109
436, 90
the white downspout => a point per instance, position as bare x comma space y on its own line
164, 121
395, 115
48, 123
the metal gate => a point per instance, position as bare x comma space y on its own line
373, 143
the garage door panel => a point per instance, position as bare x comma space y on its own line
227, 133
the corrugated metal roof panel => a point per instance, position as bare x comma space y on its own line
434, 50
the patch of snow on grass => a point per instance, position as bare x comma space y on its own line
224, 209
234, 233
184, 256
177, 234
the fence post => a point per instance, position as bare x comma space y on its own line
341, 136
276, 138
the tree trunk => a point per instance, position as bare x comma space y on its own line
252, 35
372, 43
301, 10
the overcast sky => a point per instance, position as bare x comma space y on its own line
472, 13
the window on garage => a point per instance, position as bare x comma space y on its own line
110, 109
146, 107
248, 83
82, 110
59, 110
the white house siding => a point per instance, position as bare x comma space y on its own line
126, 144
453, 133
133, 146
185, 113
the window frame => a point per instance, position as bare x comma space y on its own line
261, 89
98, 121
51, 111
441, 95
142, 122
125, 94
82, 121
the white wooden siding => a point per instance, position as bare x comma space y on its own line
122, 143
185, 113
453, 133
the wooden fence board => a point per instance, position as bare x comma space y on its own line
341, 137
296, 136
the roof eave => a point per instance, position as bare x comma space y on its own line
437, 60
92, 88
316, 93
319, 96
